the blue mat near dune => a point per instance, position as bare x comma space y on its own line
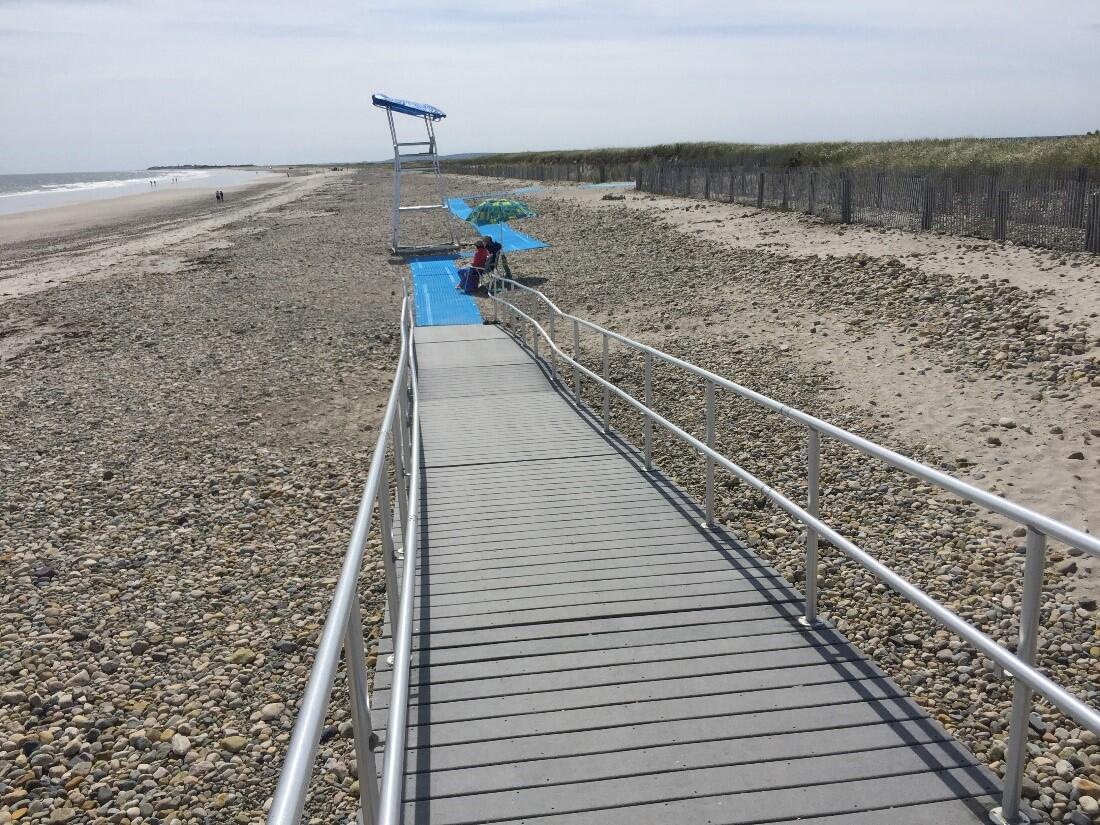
459, 208
513, 241
437, 301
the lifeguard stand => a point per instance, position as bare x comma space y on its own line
423, 162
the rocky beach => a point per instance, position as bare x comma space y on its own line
189, 401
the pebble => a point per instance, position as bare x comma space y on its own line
272, 710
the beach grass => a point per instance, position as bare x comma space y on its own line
1067, 151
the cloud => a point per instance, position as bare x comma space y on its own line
93, 84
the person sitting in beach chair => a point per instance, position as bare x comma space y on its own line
469, 277
494, 253
495, 256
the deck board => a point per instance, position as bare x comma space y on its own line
586, 650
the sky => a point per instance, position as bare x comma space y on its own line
124, 84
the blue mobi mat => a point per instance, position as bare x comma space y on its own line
512, 240
459, 208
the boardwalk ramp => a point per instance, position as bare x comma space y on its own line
586, 651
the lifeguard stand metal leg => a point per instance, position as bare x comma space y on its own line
417, 163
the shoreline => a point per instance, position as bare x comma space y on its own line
46, 249
52, 221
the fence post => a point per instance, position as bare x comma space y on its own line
732, 198
926, 204
786, 184
760, 190
706, 184
1092, 232
1079, 195
603, 173
845, 197
812, 193
1016, 753
1000, 217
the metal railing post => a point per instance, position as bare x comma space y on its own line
1016, 756
709, 460
360, 713
577, 358
399, 459
550, 353
649, 405
385, 525
813, 487
606, 390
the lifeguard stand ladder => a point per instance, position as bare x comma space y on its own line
415, 163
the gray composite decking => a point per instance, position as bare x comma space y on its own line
585, 652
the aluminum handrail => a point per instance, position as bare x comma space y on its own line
1022, 515
393, 766
343, 625
1019, 665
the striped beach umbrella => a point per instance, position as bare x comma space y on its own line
499, 210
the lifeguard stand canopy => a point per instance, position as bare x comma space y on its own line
407, 107
426, 161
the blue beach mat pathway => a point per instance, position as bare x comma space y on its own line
438, 302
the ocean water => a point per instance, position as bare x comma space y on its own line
23, 193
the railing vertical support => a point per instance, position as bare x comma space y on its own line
553, 343
813, 487
399, 459
649, 406
385, 525
360, 713
1016, 757
709, 392
577, 358
606, 389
